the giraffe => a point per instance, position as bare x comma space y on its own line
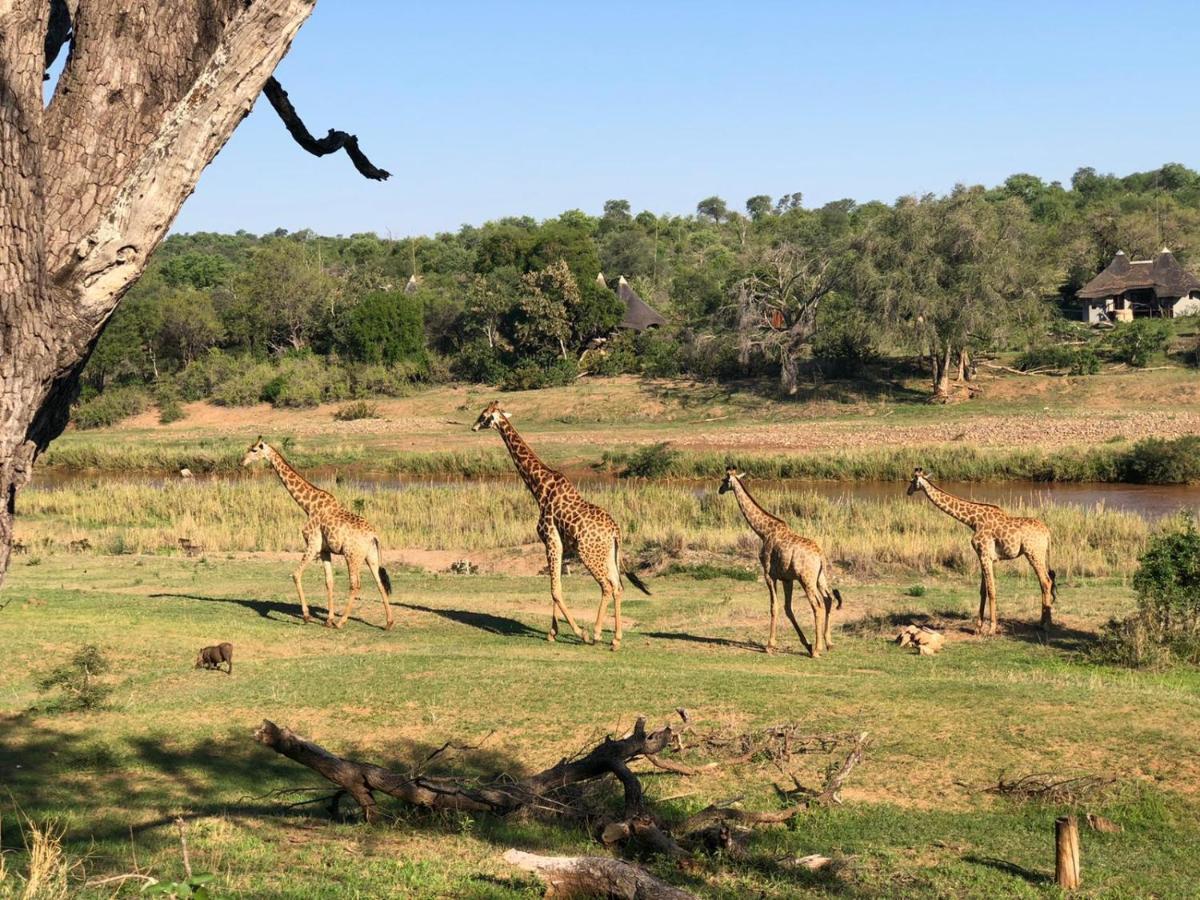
330, 529
997, 536
567, 522
788, 557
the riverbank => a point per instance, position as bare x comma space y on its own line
1036, 429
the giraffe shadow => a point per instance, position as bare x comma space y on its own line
1058, 636
1009, 868
501, 625
751, 646
274, 610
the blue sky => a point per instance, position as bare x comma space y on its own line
487, 109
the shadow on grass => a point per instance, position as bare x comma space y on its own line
1003, 865
1059, 637
288, 613
874, 384
888, 623
500, 625
720, 642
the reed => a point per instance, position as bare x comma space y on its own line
254, 513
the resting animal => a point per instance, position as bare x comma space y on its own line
212, 657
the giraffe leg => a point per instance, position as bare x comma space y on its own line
387, 607
313, 541
375, 565
818, 611
554, 556
1047, 584
787, 608
827, 597
772, 589
982, 599
609, 577
989, 580
354, 564
327, 562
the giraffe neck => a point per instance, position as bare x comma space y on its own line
533, 471
758, 518
301, 490
965, 511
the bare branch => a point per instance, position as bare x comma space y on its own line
331, 143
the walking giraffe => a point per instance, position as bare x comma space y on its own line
330, 529
997, 536
788, 557
567, 523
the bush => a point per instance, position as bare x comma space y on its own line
76, 681
201, 376
380, 381
480, 364
844, 344
529, 375
359, 409
169, 408
1166, 625
1137, 341
1076, 360
305, 381
245, 386
651, 461
1162, 461
660, 353
384, 327
110, 407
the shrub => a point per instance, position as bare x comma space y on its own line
651, 461
76, 681
110, 407
201, 376
245, 386
305, 381
169, 408
1076, 360
1162, 461
379, 381
1137, 341
1166, 625
529, 375
660, 353
384, 327
359, 409
842, 347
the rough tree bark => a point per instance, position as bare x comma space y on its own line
89, 185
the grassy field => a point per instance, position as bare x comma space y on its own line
468, 660
493, 522
1019, 427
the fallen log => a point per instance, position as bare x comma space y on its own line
500, 795
595, 876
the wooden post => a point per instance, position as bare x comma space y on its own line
1066, 856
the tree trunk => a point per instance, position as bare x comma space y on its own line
941, 371
789, 373
90, 184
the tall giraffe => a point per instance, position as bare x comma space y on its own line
997, 536
786, 556
330, 529
567, 522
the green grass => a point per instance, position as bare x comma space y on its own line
468, 658
900, 534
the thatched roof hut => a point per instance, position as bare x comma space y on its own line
639, 315
1159, 286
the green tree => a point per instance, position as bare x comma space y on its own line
713, 208
384, 327
287, 284
759, 207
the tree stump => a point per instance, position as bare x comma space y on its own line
1066, 847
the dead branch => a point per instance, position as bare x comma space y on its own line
595, 876
1047, 788
499, 795
332, 142
830, 793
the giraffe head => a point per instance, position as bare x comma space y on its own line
492, 413
258, 450
730, 474
919, 481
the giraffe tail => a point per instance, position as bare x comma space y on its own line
630, 574
838, 595
637, 582
384, 578
1053, 584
